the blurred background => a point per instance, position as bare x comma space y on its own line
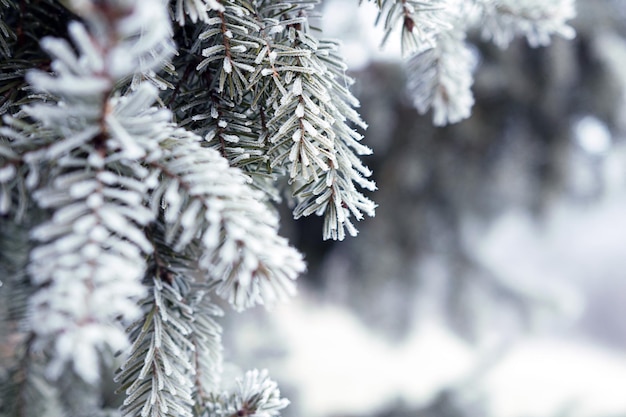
492, 281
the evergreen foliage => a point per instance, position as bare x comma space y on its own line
142, 147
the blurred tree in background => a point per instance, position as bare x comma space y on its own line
544, 122
546, 135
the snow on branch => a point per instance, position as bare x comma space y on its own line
91, 252
537, 20
441, 78
175, 360
420, 22
196, 10
89, 265
440, 72
204, 198
259, 119
157, 377
313, 138
256, 395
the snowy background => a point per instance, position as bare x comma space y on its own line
506, 300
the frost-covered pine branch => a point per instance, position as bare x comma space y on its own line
207, 201
537, 20
256, 395
90, 258
440, 64
441, 77
143, 146
316, 144
106, 167
419, 22
157, 377
291, 85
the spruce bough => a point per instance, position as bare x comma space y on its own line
143, 146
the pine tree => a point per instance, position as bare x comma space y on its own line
143, 148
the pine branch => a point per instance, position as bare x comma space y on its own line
312, 138
24, 390
441, 78
226, 42
195, 10
176, 353
156, 377
90, 259
244, 37
537, 20
205, 199
79, 302
7, 34
256, 396
420, 22
206, 338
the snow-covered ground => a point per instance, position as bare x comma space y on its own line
557, 377
342, 368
